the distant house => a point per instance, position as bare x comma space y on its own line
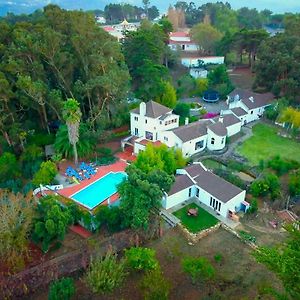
182, 41
247, 105
213, 191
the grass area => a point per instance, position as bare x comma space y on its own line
265, 143
213, 164
204, 220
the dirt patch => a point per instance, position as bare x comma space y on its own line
242, 78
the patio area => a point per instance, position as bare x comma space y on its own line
195, 223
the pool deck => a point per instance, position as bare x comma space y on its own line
118, 166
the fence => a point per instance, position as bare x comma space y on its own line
28, 281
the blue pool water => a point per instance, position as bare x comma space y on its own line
98, 191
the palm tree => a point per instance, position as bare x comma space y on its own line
72, 115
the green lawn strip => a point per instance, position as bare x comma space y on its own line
265, 143
204, 219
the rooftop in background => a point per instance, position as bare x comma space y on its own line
251, 99
153, 110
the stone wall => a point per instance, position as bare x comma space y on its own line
196, 237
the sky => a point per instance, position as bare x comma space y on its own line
27, 6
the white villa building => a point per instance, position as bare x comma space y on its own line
182, 41
154, 123
213, 191
246, 105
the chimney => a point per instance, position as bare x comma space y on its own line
251, 99
186, 121
236, 97
142, 109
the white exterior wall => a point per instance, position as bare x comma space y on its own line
219, 143
198, 73
178, 198
255, 115
138, 147
155, 126
234, 129
184, 47
194, 62
188, 148
170, 139
180, 38
204, 197
234, 204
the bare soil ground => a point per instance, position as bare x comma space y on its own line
242, 78
238, 275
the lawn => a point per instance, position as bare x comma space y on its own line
265, 143
204, 219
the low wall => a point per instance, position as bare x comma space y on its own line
20, 285
196, 237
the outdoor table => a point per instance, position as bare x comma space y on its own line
193, 212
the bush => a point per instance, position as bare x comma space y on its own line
182, 110
253, 207
104, 275
41, 139
155, 286
110, 217
62, 289
139, 258
218, 258
236, 166
259, 188
282, 166
294, 184
46, 173
247, 236
199, 269
9, 167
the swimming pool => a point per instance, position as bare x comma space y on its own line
98, 191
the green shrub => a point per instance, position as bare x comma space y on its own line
62, 289
104, 152
253, 207
236, 166
110, 217
282, 166
182, 109
259, 188
139, 258
294, 184
154, 286
199, 269
46, 173
218, 258
41, 139
247, 236
193, 119
105, 274
9, 167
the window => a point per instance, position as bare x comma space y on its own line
212, 141
251, 112
160, 122
190, 192
219, 208
199, 145
222, 142
136, 131
136, 118
176, 145
146, 121
149, 135
210, 203
197, 192
165, 139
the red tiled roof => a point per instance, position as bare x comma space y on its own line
108, 28
146, 142
179, 34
